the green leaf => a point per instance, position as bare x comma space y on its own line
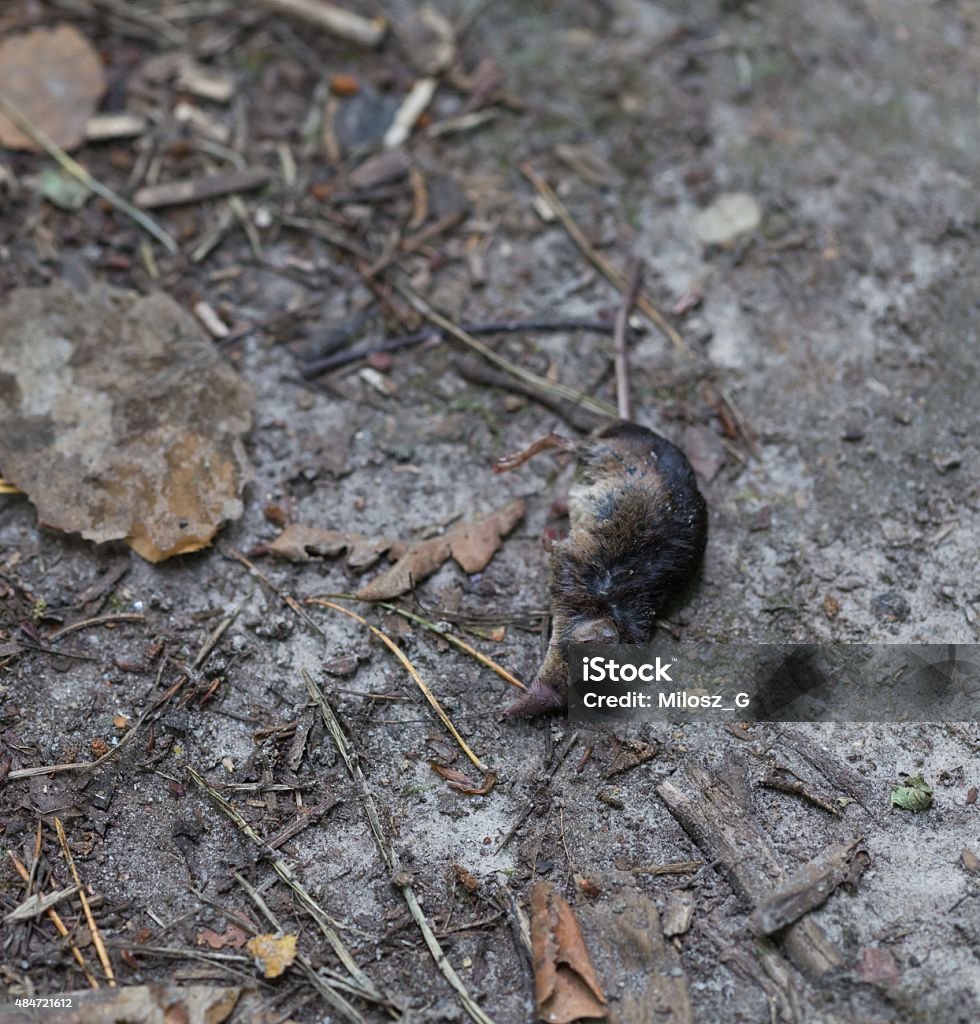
916, 796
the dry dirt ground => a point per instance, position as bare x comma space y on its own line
844, 507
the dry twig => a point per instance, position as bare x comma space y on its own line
56, 920
623, 397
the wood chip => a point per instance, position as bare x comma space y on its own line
333, 19
105, 127
418, 98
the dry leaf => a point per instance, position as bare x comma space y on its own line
465, 878
119, 419
232, 936
299, 543
55, 79
565, 986
629, 754
273, 953
161, 1004
471, 544
460, 782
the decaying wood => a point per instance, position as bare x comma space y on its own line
838, 775
636, 961
718, 821
806, 889
332, 19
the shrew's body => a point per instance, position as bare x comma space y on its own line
637, 531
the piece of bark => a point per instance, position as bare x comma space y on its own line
805, 889
637, 962
718, 821
678, 912
193, 190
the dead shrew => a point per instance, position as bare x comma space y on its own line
637, 531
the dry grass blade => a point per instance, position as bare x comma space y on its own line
55, 918
596, 258
75, 169
412, 671
89, 916
533, 380
363, 985
389, 856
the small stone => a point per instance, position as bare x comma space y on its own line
945, 461
730, 215
853, 432
890, 607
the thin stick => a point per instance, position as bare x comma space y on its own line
597, 259
412, 671
78, 172
318, 366
623, 397
533, 379
89, 916
390, 856
55, 918
100, 620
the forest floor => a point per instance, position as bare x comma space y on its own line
823, 381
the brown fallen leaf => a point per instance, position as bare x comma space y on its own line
299, 543
465, 878
460, 782
565, 985
232, 936
472, 544
629, 754
273, 953
55, 79
163, 1003
133, 431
